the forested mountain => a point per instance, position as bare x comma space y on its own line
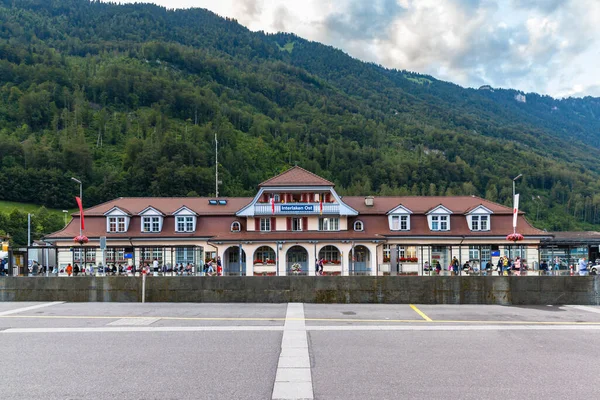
128, 98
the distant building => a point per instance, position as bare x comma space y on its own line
521, 98
295, 218
486, 87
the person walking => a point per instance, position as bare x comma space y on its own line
455, 265
583, 267
76, 270
316, 266
438, 267
69, 270
321, 265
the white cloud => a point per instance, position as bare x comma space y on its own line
546, 46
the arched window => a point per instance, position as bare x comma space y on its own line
359, 226
264, 255
236, 227
330, 254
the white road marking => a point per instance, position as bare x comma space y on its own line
585, 308
121, 329
452, 327
294, 353
134, 321
23, 309
293, 379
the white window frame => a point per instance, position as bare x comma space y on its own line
435, 223
475, 223
328, 224
359, 226
151, 224
235, 224
185, 223
486, 219
118, 223
298, 222
265, 225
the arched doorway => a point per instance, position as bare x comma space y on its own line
332, 260
231, 263
264, 261
360, 261
297, 261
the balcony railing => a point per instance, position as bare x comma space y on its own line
296, 208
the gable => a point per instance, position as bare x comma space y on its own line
480, 209
296, 176
116, 211
400, 210
151, 211
439, 210
184, 211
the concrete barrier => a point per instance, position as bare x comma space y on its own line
504, 290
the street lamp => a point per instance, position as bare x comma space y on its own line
81, 197
65, 213
514, 180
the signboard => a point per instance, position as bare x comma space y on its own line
128, 256
496, 253
103, 243
297, 208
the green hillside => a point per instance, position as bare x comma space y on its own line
128, 98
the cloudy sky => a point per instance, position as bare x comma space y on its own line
545, 46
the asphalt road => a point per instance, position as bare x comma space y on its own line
242, 351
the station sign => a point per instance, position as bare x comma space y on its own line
297, 208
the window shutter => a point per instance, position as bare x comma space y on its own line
257, 224
327, 198
304, 223
289, 223
273, 224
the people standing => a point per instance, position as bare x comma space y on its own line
76, 270
438, 267
316, 266
321, 265
517, 266
69, 270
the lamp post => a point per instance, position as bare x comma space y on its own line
81, 197
514, 180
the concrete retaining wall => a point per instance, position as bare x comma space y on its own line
505, 290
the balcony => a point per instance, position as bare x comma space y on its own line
296, 209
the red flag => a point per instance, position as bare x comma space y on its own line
320, 204
80, 204
273, 205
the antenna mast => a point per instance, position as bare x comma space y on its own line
216, 166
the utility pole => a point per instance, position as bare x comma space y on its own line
216, 167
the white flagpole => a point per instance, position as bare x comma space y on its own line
515, 212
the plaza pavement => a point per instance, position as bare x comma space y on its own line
292, 351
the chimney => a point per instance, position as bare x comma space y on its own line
369, 200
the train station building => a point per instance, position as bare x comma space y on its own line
294, 219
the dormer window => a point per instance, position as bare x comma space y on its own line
117, 224
236, 226
151, 224
359, 226
479, 218
185, 223
185, 220
152, 220
399, 219
117, 220
439, 219
439, 222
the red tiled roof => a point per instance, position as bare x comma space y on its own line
296, 176
422, 204
168, 205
